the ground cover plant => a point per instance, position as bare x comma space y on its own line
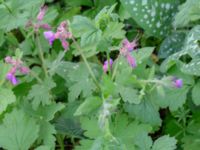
99, 74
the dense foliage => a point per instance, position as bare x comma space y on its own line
100, 74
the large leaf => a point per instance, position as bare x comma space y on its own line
171, 44
18, 131
191, 48
154, 16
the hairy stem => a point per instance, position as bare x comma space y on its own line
87, 64
41, 55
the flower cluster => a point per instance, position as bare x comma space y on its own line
16, 65
39, 23
126, 50
62, 34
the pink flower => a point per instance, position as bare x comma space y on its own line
8, 59
105, 65
16, 65
130, 46
131, 60
42, 12
50, 36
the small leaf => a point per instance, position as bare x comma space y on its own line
90, 104
129, 95
165, 143
40, 93
196, 94
6, 97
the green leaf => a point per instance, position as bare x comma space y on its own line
188, 12
114, 30
79, 2
43, 147
46, 134
196, 94
81, 82
172, 98
191, 48
141, 110
40, 93
89, 105
129, 95
127, 132
17, 13
165, 143
7, 97
81, 25
18, 131
4, 70
172, 44
143, 141
91, 38
154, 16
142, 54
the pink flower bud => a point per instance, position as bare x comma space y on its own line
8, 59
131, 60
24, 70
65, 44
105, 65
45, 26
42, 12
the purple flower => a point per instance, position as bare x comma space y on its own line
105, 65
131, 60
42, 12
11, 77
130, 46
178, 83
49, 35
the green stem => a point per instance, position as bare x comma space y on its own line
32, 73
87, 64
8, 8
60, 142
115, 69
41, 55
